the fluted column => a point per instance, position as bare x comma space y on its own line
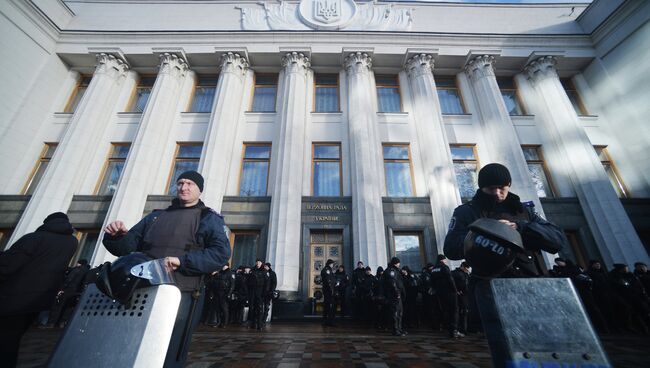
222, 128
439, 175
369, 240
288, 155
143, 161
497, 129
609, 223
73, 155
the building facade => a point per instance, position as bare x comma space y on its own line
327, 128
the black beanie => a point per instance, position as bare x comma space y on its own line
394, 261
494, 174
193, 176
56, 215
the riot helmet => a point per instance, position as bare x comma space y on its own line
491, 247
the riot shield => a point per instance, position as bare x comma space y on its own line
537, 322
105, 333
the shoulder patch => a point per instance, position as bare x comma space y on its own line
327, 271
226, 231
392, 273
452, 224
529, 204
233, 276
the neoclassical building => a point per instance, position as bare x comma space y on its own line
326, 128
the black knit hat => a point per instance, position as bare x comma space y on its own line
329, 262
441, 257
394, 261
56, 215
494, 174
193, 176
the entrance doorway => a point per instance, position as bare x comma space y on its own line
324, 245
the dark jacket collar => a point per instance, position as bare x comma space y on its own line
176, 205
488, 203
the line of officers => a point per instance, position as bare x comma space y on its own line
389, 299
241, 296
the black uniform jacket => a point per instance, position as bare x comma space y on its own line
537, 233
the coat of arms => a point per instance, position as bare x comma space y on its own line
327, 11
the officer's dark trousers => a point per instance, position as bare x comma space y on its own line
329, 310
257, 308
222, 304
449, 305
463, 311
396, 312
177, 351
12, 329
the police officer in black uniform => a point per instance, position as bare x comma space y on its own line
358, 301
395, 294
329, 290
240, 295
257, 286
494, 200
461, 277
225, 287
273, 284
411, 285
447, 295
426, 289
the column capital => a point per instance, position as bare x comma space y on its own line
541, 68
357, 62
418, 65
480, 67
110, 64
233, 63
295, 62
173, 65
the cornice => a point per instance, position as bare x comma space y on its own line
37, 18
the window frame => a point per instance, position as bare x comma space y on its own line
79, 234
568, 86
37, 165
314, 160
134, 94
421, 243
542, 161
396, 86
80, 83
338, 92
410, 162
175, 159
109, 159
233, 236
243, 160
626, 193
514, 89
197, 84
455, 161
456, 87
255, 85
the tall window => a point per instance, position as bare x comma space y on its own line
87, 244
537, 170
409, 249
397, 166
142, 93
255, 170
203, 95
388, 97
114, 168
327, 169
244, 246
187, 158
611, 171
266, 87
574, 97
327, 93
449, 96
466, 169
510, 98
39, 169
77, 94
576, 252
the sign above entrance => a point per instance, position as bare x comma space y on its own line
325, 15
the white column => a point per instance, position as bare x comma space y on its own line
222, 129
615, 236
439, 175
497, 129
137, 178
288, 154
73, 155
369, 239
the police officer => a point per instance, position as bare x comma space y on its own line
411, 285
273, 284
394, 293
258, 282
461, 277
494, 200
426, 289
225, 287
329, 290
211, 301
192, 239
342, 281
239, 296
358, 275
446, 293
